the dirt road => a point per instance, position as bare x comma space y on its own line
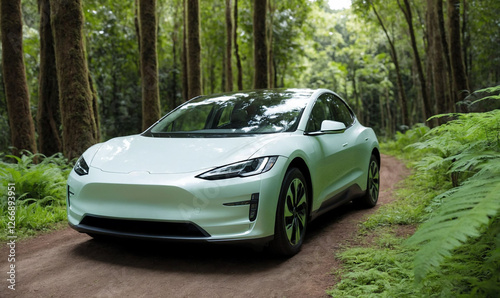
68, 264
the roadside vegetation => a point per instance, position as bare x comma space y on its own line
40, 191
452, 201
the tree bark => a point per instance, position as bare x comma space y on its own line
194, 49
450, 106
185, 85
49, 114
236, 49
79, 124
260, 45
22, 128
95, 109
465, 37
149, 62
229, 48
436, 56
425, 97
394, 56
173, 100
270, 55
460, 81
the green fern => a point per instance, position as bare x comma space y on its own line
40, 191
495, 89
469, 146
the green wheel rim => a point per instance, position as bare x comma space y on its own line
373, 181
295, 211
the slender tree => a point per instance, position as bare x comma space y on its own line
185, 82
236, 48
193, 49
173, 99
49, 116
22, 128
259, 44
465, 36
460, 81
78, 121
270, 54
439, 74
229, 39
449, 106
149, 62
425, 97
95, 109
395, 60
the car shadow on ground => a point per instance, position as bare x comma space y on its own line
206, 257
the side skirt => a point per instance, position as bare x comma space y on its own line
353, 192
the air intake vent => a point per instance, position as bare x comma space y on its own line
143, 227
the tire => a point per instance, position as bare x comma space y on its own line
291, 214
370, 198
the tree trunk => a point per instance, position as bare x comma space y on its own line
394, 56
79, 124
425, 98
194, 48
465, 38
229, 35
236, 50
22, 128
95, 109
450, 106
260, 80
172, 101
136, 23
149, 62
49, 114
270, 55
185, 85
436, 56
460, 82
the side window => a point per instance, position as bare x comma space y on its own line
341, 112
321, 111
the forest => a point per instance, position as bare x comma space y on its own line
423, 74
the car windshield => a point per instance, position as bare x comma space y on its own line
235, 114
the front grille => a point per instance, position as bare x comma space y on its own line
143, 227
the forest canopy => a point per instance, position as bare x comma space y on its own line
391, 60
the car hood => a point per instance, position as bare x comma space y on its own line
175, 155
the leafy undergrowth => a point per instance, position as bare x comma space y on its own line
40, 192
453, 196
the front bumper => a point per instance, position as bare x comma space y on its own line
174, 206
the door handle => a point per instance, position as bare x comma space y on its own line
345, 144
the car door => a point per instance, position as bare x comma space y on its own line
332, 160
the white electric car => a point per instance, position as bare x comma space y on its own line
251, 166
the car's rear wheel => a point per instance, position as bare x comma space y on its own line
291, 214
370, 198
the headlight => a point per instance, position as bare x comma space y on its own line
241, 169
81, 167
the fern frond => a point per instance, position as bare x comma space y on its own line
461, 216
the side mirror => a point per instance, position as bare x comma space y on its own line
329, 126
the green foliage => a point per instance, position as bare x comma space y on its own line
399, 145
466, 209
495, 90
415, 194
40, 192
454, 191
466, 153
384, 269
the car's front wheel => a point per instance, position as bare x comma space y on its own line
291, 214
